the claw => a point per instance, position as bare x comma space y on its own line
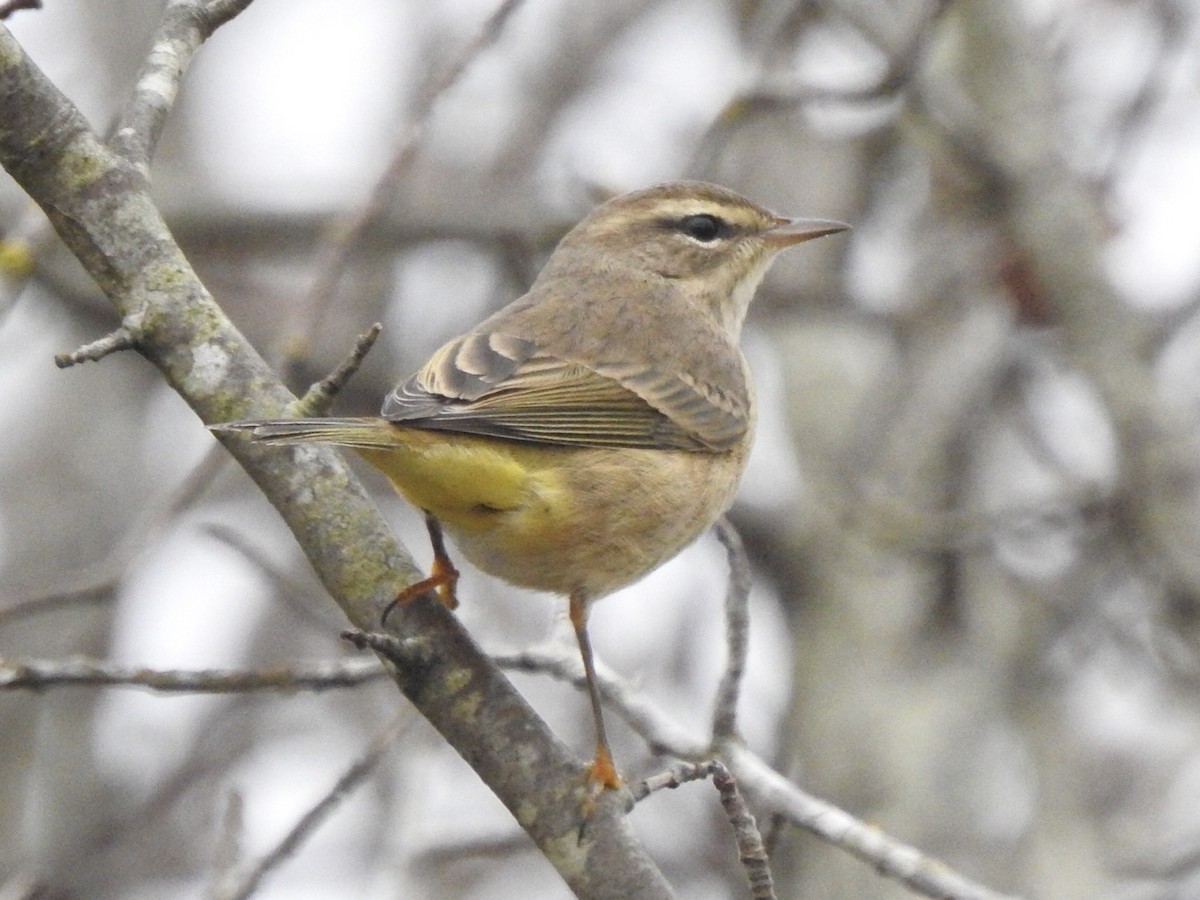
443, 576
602, 773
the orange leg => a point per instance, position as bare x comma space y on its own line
443, 577
602, 773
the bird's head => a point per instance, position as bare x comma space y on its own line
712, 243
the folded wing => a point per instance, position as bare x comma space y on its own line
491, 383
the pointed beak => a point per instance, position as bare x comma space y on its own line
786, 232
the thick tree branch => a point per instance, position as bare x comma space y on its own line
98, 202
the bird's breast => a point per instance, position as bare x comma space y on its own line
572, 520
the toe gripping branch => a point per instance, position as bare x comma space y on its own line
443, 576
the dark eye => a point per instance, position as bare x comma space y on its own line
704, 228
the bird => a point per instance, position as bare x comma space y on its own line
594, 427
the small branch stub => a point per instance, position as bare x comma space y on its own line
121, 339
674, 777
318, 398
404, 653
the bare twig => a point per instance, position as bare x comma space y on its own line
88, 590
773, 793
218, 12
186, 24
405, 652
247, 883
122, 338
750, 846
40, 675
11, 6
317, 400
749, 839
676, 776
890, 857
737, 631
468, 850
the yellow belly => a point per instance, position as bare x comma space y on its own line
577, 521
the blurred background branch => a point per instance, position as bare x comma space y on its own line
970, 519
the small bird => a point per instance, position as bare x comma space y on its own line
594, 427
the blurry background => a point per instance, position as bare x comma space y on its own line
972, 511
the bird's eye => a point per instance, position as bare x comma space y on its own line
704, 228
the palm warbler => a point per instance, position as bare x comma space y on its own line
591, 429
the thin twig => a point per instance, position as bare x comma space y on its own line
40, 675
98, 590
411, 654
676, 776
185, 25
318, 398
246, 884
890, 858
122, 338
218, 12
771, 791
467, 850
751, 851
737, 631
12, 6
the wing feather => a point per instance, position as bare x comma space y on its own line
493, 383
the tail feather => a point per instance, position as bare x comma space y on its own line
364, 433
